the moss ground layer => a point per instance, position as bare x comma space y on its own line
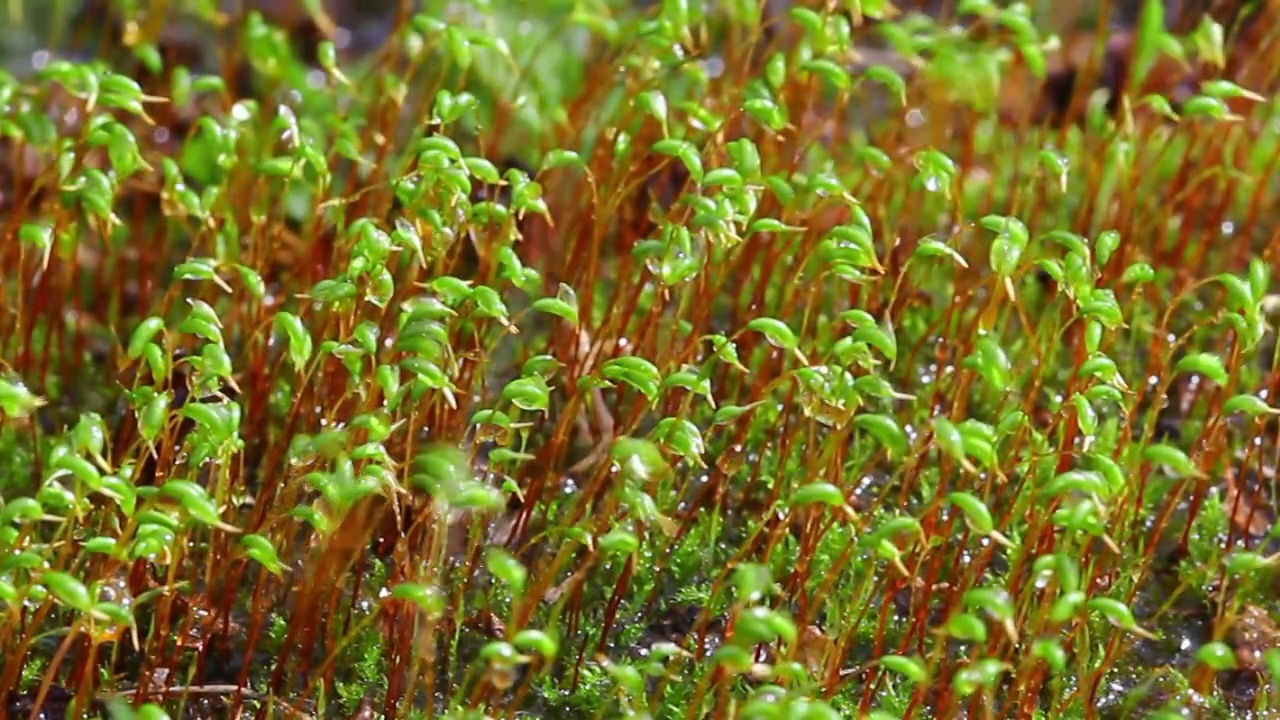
610, 359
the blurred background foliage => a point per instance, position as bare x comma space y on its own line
73, 26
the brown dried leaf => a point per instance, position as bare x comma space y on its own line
487, 623
1252, 632
813, 649
365, 710
498, 529
1249, 513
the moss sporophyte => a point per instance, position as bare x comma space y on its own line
622, 359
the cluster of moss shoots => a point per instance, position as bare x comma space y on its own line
604, 362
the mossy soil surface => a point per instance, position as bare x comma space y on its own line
757, 360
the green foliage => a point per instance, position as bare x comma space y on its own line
817, 370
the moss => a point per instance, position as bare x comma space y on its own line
610, 360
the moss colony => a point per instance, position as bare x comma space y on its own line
611, 359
